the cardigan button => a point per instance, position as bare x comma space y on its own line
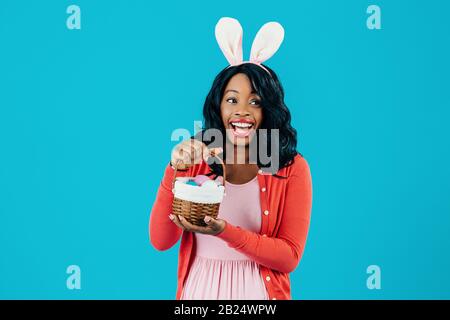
260, 171
266, 212
263, 189
274, 298
264, 235
267, 278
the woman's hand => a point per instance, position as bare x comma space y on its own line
214, 226
191, 152
188, 152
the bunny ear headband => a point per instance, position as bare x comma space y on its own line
266, 42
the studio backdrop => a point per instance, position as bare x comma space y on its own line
92, 91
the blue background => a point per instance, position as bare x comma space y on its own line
86, 118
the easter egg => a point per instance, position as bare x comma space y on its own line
200, 179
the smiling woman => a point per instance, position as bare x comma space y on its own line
241, 109
233, 98
258, 238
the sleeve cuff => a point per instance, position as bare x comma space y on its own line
230, 234
169, 173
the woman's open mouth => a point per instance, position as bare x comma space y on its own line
242, 128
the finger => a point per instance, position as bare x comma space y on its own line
186, 224
191, 227
216, 151
211, 222
185, 157
190, 147
213, 152
175, 220
175, 155
192, 151
179, 163
205, 153
198, 153
201, 151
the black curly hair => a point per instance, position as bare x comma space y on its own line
276, 115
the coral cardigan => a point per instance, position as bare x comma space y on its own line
277, 248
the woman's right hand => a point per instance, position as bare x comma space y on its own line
189, 152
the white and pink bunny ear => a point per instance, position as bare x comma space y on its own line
229, 37
266, 42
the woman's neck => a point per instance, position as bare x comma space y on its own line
239, 154
239, 169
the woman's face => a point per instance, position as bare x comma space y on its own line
241, 110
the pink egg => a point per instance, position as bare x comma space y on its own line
200, 179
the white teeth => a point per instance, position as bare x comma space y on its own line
242, 124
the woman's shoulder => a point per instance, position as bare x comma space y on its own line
299, 166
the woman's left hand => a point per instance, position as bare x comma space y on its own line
214, 226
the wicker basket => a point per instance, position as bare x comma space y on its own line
195, 212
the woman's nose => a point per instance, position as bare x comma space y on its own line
241, 113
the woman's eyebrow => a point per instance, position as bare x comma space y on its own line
253, 92
231, 90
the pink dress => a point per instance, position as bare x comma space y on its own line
219, 272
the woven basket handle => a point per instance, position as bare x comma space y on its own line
211, 154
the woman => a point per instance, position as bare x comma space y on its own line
260, 233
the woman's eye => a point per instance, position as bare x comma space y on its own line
231, 100
255, 102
